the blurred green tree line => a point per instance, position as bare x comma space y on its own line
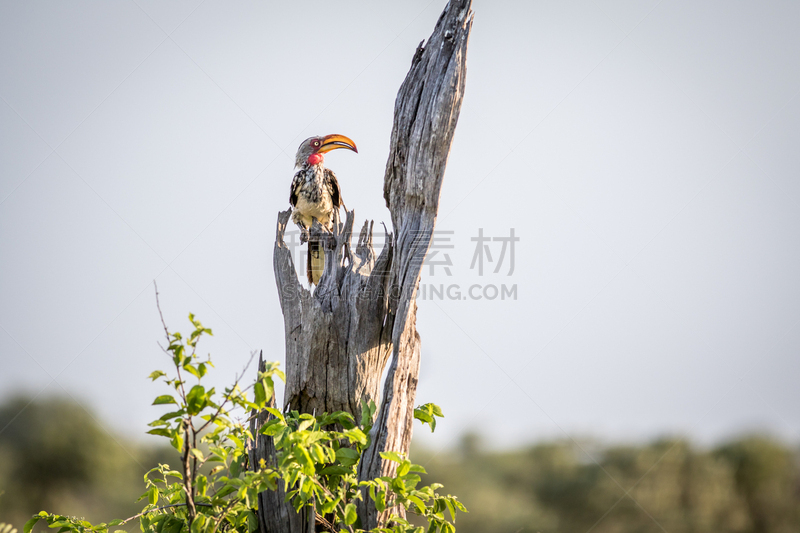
54, 455
57, 456
749, 485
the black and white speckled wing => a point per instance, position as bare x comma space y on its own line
332, 185
297, 183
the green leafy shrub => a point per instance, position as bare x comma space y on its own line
215, 489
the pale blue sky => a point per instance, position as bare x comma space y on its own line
646, 154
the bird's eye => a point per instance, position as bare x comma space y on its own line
316, 143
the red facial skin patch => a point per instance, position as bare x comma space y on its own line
315, 159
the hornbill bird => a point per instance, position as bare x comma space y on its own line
315, 194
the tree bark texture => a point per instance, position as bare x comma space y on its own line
362, 314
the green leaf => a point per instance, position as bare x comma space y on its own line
404, 468
392, 456
224, 491
350, 514
356, 435
305, 460
152, 495
201, 484
172, 414
368, 410
347, 456
426, 414
272, 427
450, 508
318, 453
305, 424
199, 522
115, 522
164, 398
252, 521
330, 454
260, 393
197, 454
418, 468
277, 414
339, 417
329, 506
221, 452
235, 468
196, 400
336, 470
271, 368
380, 501
164, 432
411, 480
156, 374
177, 441
297, 503
30, 523
418, 502
425, 418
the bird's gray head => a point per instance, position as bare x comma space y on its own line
311, 150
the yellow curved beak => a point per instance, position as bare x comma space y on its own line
332, 142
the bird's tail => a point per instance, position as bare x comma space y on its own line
316, 262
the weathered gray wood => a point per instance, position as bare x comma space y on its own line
337, 341
340, 337
425, 116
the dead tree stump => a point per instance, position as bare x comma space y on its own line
363, 312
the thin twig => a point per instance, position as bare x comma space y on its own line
188, 472
330, 495
188, 476
224, 512
160, 314
134, 517
166, 332
229, 395
194, 464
